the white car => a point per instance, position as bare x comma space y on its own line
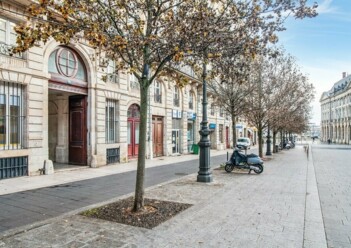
243, 143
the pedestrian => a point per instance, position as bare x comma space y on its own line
329, 141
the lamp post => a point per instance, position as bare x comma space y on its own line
268, 150
204, 174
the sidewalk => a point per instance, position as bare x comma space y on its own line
236, 210
13, 185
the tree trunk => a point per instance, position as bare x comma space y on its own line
139, 185
274, 140
234, 130
260, 140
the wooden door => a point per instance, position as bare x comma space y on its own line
157, 131
77, 130
133, 137
133, 130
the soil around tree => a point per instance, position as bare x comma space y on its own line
154, 213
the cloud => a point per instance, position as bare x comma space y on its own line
325, 7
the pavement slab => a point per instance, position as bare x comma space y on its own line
236, 210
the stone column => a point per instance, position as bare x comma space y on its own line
62, 130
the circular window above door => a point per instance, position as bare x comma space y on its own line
67, 62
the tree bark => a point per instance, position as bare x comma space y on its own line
274, 140
234, 130
139, 185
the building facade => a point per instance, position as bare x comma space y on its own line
336, 112
62, 104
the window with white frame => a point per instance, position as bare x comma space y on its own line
158, 92
12, 118
212, 109
112, 121
191, 100
133, 82
7, 32
221, 112
176, 96
112, 73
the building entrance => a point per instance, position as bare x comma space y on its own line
133, 130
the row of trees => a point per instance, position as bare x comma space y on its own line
269, 91
147, 37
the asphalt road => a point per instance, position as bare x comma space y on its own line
333, 173
27, 207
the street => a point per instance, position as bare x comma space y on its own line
30, 206
332, 168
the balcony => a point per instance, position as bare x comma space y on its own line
5, 49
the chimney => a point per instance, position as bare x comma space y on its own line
344, 74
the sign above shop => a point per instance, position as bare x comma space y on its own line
212, 126
191, 116
239, 126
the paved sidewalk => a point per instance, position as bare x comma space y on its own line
236, 210
12, 185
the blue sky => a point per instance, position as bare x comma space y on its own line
321, 45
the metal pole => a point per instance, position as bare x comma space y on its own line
268, 150
205, 173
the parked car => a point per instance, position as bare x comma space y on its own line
243, 143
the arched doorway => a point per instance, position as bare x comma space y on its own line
133, 130
68, 90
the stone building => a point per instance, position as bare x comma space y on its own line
55, 107
336, 112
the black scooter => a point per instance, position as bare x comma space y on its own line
241, 161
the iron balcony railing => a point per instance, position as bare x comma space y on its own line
5, 49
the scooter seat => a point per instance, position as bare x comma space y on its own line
252, 155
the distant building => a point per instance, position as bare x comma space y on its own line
336, 112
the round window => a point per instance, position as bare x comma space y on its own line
67, 62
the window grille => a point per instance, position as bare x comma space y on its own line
112, 121
12, 118
112, 155
13, 167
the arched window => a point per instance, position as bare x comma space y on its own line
66, 63
133, 111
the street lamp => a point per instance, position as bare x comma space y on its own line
204, 174
268, 150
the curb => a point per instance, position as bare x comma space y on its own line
314, 232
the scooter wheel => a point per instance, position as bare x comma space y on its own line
258, 169
228, 168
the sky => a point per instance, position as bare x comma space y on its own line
321, 46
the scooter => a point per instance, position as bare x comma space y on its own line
241, 161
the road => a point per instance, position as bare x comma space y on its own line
27, 207
333, 174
